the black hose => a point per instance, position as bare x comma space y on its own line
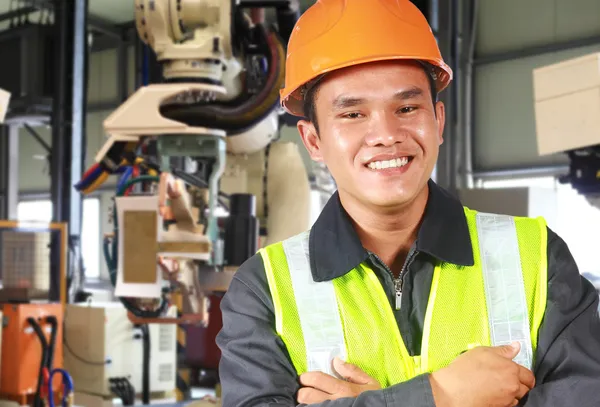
52, 345
123, 389
37, 402
146, 365
236, 119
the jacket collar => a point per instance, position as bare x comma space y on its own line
335, 248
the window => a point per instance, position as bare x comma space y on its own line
577, 220
41, 211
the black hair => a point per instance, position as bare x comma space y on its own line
310, 112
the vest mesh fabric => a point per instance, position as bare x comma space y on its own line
456, 317
284, 302
366, 316
533, 247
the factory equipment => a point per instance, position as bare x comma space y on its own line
104, 352
177, 233
567, 117
31, 344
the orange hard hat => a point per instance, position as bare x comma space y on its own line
334, 34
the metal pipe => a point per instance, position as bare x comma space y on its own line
4, 174
537, 50
441, 25
213, 184
68, 125
523, 172
122, 71
12, 187
434, 16
455, 117
469, 97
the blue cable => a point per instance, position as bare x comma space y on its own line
67, 381
126, 175
89, 180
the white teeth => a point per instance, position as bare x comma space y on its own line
394, 163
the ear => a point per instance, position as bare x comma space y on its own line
440, 110
311, 140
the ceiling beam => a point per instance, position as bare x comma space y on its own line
95, 23
17, 13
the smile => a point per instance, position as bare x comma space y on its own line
393, 163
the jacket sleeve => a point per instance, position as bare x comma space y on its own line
255, 369
567, 367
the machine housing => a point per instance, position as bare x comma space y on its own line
101, 343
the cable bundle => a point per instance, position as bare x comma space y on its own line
123, 389
130, 166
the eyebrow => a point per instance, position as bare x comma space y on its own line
344, 102
408, 94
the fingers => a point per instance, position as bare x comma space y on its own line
351, 373
526, 377
523, 390
309, 395
321, 381
507, 351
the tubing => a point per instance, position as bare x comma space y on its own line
146, 365
37, 402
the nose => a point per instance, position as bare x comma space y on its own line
384, 131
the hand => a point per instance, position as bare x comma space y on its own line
318, 386
484, 376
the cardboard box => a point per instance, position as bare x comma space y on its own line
567, 104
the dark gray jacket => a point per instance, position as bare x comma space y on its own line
256, 370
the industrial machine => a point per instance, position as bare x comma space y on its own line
567, 114
106, 354
179, 232
32, 328
31, 346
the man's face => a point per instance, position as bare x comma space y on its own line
379, 133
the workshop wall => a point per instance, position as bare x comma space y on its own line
102, 94
504, 129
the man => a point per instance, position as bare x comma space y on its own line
399, 296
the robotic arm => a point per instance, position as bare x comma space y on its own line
222, 70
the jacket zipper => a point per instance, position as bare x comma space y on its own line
398, 282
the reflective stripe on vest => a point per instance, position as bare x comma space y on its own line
504, 291
317, 309
504, 286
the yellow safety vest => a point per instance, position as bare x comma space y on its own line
498, 300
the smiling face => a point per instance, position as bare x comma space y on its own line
379, 132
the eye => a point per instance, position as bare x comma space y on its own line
351, 115
407, 109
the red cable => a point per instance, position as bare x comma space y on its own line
134, 174
90, 170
